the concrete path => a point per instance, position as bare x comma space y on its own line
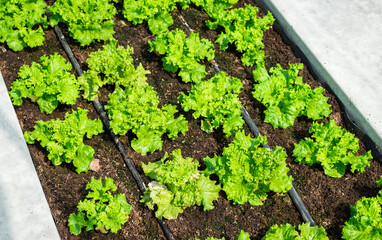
24, 211
343, 41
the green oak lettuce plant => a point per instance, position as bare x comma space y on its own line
111, 65
48, 83
183, 53
87, 20
243, 28
155, 12
288, 232
216, 100
215, 8
248, 171
63, 139
136, 109
286, 97
100, 209
21, 23
365, 218
177, 184
333, 147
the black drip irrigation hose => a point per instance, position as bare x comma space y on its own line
255, 131
98, 106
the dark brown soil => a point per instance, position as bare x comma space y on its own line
328, 199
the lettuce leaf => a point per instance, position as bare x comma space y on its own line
243, 28
248, 171
365, 219
48, 83
136, 109
287, 97
183, 53
111, 65
155, 12
177, 184
287, 231
101, 208
20, 23
214, 101
215, 8
64, 138
87, 20
333, 147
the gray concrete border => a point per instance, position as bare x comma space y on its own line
24, 210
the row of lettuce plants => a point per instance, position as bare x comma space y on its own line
216, 100
286, 97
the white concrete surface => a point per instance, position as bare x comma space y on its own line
343, 40
24, 211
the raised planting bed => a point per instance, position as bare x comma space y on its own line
327, 199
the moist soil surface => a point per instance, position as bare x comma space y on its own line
327, 199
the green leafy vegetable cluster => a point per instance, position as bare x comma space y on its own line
20, 23
333, 147
155, 12
111, 65
101, 209
47, 83
136, 109
242, 236
288, 232
215, 101
215, 8
248, 171
178, 184
366, 219
243, 28
286, 97
87, 20
64, 138
183, 53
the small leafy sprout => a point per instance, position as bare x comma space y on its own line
20, 23
333, 147
48, 83
101, 209
177, 184
64, 138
